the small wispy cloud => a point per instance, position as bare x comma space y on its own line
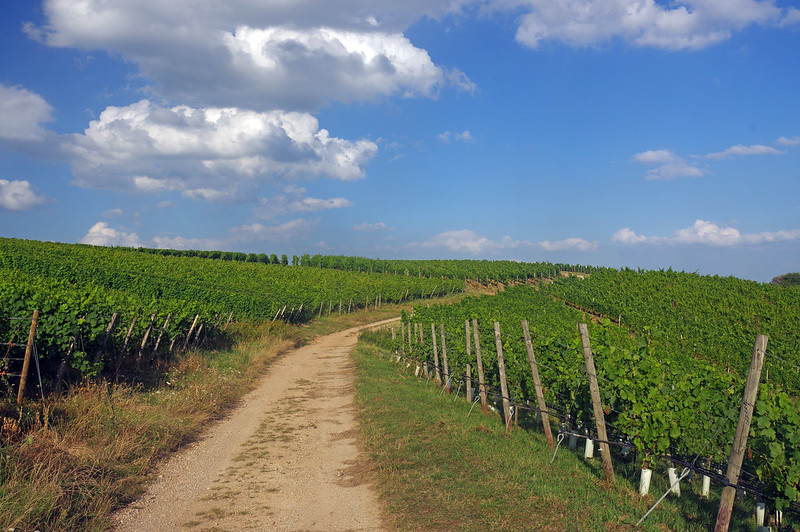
179, 242
466, 241
703, 232
788, 141
295, 200
370, 227
282, 233
463, 136
667, 165
569, 244
741, 150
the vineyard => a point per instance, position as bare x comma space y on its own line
100, 306
670, 350
671, 366
503, 271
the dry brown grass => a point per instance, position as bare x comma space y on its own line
67, 463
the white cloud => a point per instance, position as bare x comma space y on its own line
788, 141
370, 227
210, 154
165, 204
464, 136
627, 236
569, 244
741, 151
792, 17
260, 55
294, 200
674, 170
689, 25
303, 69
466, 241
670, 166
21, 114
101, 234
18, 195
458, 79
179, 242
282, 233
706, 233
112, 213
655, 157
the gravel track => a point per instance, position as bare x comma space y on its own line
286, 459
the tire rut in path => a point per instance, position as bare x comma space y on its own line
285, 459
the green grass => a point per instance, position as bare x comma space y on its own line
438, 469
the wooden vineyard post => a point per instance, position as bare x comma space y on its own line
444, 360
469, 366
599, 418
436, 356
110, 328
62, 366
198, 333
191, 330
125, 344
144, 339
230, 318
742, 430
26, 363
537, 384
164, 328
501, 368
481, 382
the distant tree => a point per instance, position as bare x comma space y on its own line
284, 260
273, 258
787, 279
295, 260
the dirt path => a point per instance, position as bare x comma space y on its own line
286, 459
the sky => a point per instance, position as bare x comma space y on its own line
622, 133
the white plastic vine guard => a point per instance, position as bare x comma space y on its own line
675, 486
588, 452
706, 486
644, 481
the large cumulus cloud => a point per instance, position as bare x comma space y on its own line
258, 54
213, 153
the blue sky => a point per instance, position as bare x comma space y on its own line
615, 133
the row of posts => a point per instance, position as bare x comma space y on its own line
192, 337
472, 338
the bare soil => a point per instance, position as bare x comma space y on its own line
286, 459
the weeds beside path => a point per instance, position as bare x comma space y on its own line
66, 463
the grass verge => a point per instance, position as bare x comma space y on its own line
67, 463
441, 470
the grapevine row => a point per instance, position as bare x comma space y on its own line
659, 404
